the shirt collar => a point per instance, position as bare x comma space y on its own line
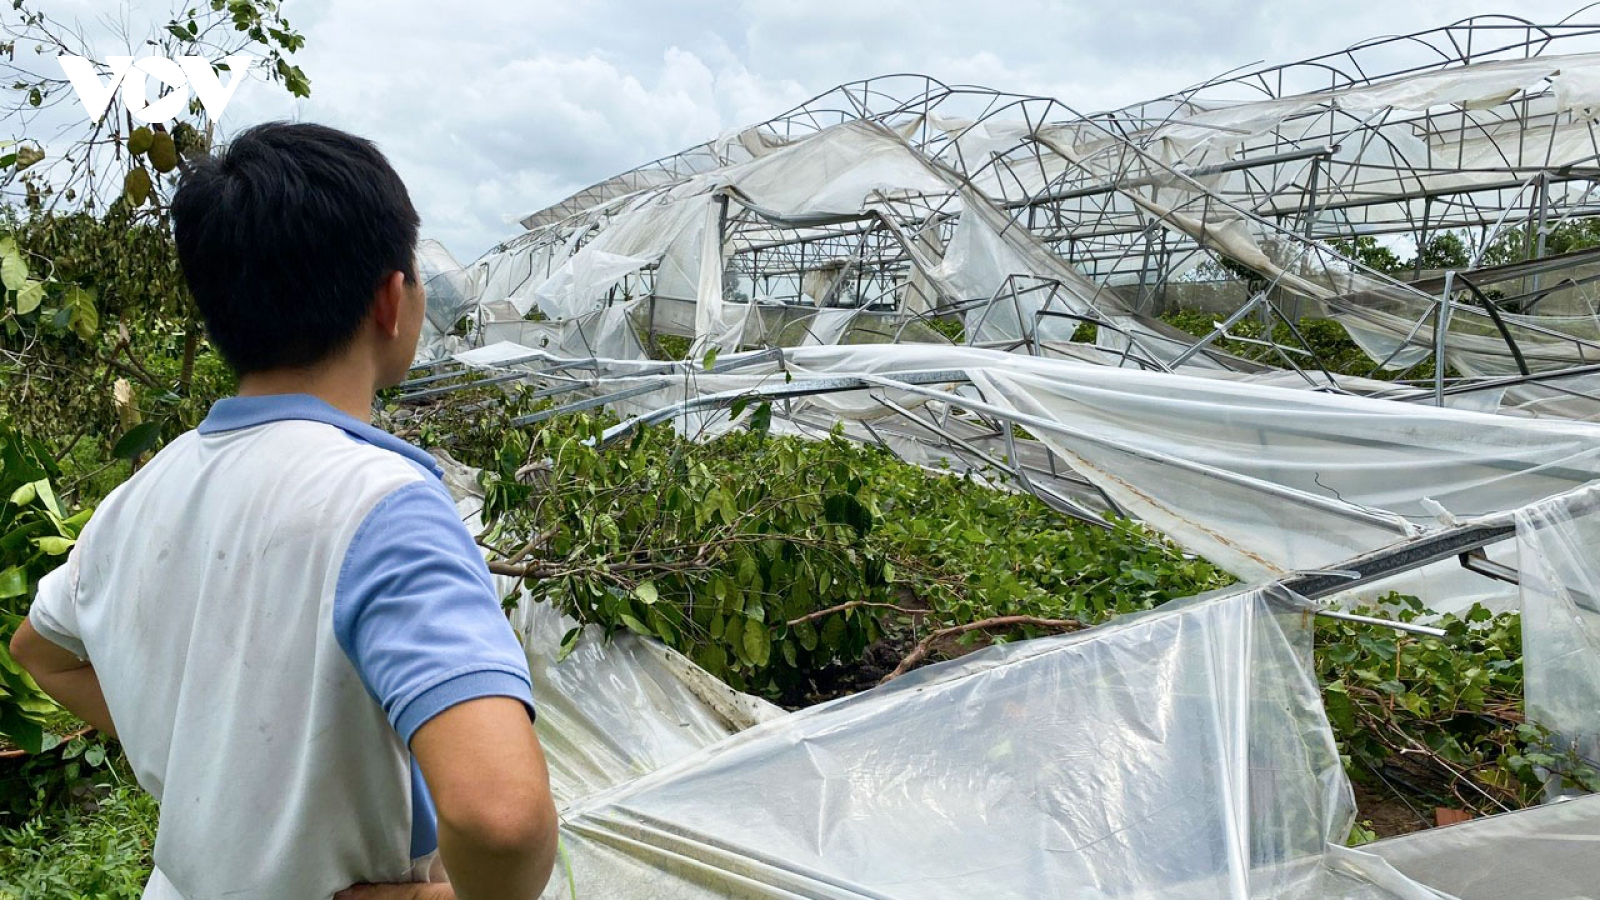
234, 413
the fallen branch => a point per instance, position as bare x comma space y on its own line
925, 646
857, 604
531, 570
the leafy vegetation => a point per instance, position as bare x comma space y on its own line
36, 532
95, 849
1438, 721
767, 558
1325, 345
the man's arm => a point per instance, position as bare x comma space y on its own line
70, 681
497, 821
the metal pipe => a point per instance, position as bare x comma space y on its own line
1441, 331
1428, 630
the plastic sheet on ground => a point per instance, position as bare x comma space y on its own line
1179, 753
1542, 853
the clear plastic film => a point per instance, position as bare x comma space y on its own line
1560, 578
1541, 852
1180, 753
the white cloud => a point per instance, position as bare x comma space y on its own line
491, 109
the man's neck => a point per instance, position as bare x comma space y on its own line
345, 384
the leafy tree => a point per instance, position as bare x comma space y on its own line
1517, 244
93, 292
1370, 253
1444, 251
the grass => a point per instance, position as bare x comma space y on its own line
94, 845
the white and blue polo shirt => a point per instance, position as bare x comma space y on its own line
274, 605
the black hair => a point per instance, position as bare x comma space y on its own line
284, 236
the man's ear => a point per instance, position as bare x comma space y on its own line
388, 299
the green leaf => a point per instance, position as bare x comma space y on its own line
22, 731
13, 268
646, 592
139, 439
636, 626
13, 583
845, 509
761, 419
48, 496
757, 644
26, 494
833, 634
733, 636
664, 629
85, 318
53, 546
709, 360
570, 642
29, 297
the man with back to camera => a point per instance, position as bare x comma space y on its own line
282, 616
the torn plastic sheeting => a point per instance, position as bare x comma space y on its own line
630, 240
836, 171
1471, 86
605, 332
1179, 753
1370, 454
1560, 580
1474, 344
1080, 296
616, 709
1264, 480
718, 324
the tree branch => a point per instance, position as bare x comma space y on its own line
925, 646
857, 604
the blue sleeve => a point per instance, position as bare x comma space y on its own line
416, 612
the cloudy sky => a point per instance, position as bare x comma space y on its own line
492, 108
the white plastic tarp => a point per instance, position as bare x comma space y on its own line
632, 239
1541, 853
1177, 754
837, 171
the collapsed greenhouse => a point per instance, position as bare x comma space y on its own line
983, 280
